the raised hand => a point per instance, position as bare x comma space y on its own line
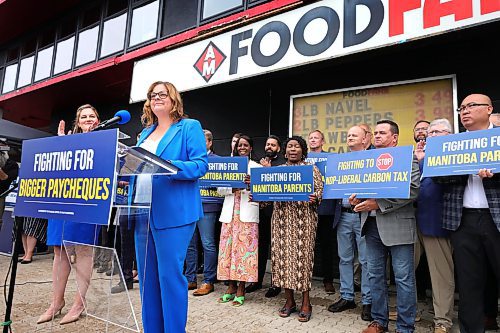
62, 128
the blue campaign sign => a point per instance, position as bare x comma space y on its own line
210, 195
68, 177
463, 153
225, 172
374, 173
284, 183
318, 159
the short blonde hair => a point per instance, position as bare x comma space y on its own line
148, 118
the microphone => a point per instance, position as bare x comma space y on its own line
120, 118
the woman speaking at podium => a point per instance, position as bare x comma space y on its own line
86, 119
175, 207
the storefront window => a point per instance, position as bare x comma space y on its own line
64, 55
25, 71
144, 23
214, 7
113, 36
44, 63
9, 80
87, 46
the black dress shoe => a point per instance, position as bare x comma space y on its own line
254, 286
273, 292
120, 287
366, 313
342, 305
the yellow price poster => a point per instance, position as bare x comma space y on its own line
333, 113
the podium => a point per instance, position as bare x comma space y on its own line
83, 183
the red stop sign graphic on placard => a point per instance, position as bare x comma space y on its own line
384, 162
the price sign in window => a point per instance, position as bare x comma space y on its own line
334, 112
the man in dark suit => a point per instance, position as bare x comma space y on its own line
327, 234
389, 226
472, 212
273, 157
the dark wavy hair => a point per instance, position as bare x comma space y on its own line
302, 143
248, 139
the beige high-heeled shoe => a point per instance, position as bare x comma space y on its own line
71, 318
49, 315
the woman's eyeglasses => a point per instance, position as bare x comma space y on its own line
161, 95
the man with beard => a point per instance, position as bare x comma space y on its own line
272, 157
420, 130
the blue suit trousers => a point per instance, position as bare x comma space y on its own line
160, 255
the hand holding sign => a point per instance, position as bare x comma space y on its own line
485, 173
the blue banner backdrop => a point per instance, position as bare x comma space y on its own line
374, 173
225, 172
463, 153
68, 177
284, 183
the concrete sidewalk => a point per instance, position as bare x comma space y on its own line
258, 314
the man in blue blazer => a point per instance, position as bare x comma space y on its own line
161, 245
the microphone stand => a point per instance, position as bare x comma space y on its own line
17, 245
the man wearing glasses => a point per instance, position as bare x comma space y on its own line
471, 210
420, 130
434, 239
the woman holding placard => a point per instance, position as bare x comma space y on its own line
239, 238
293, 229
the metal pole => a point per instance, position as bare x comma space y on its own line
17, 245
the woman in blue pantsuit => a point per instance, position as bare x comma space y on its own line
175, 208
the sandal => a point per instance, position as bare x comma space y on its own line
239, 300
285, 312
226, 298
304, 317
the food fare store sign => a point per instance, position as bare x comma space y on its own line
320, 31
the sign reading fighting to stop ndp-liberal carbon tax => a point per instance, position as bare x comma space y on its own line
463, 153
374, 173
225, 172
287, 183
68, 177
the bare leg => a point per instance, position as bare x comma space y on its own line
25, 245
231, 288
83, 268
306, 302
290, 299
60, 273
241, 289
30, 247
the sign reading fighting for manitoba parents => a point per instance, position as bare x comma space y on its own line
374, 173
225, 172
68, 177
463, 153
334, 112
284, 183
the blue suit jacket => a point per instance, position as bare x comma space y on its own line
176, 199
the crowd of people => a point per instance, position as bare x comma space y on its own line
455, 220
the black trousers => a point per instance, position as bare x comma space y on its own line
476, 243
127, 253
265, 215
327, 237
